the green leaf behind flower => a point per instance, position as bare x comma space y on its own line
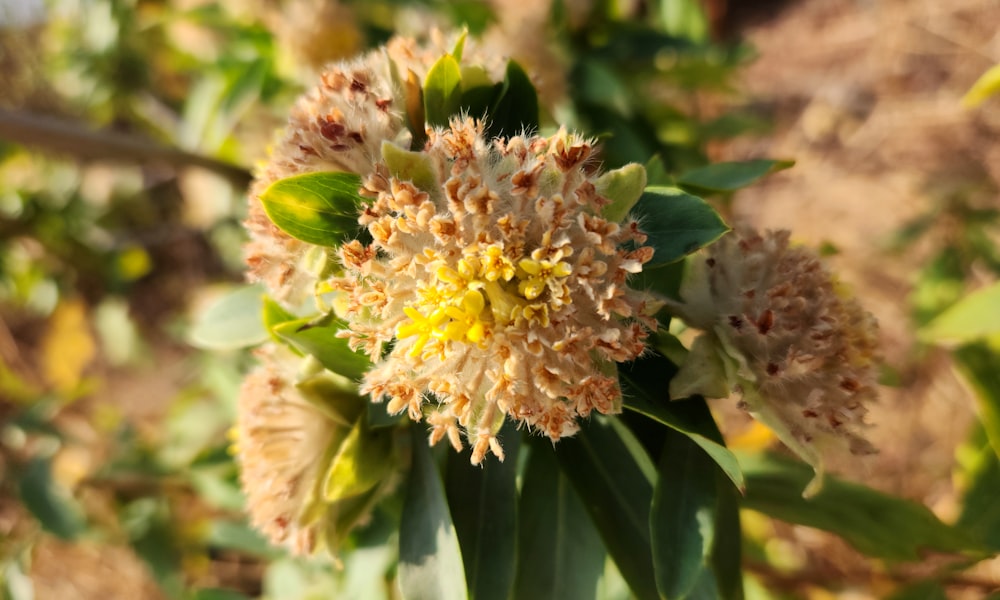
727, 177
430, 561
876, 524
677, 223
690, 417
320, 340
442, 91
483, 501
317, 208
560, 554
516, 107
362, 461
231, 322
624, 187
682, 516
614, 477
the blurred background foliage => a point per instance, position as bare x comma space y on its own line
128, 132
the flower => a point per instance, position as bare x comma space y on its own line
780, 330
340, 125
497, 290
291, 424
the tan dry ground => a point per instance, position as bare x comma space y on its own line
866, 98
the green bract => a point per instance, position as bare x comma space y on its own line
317, 208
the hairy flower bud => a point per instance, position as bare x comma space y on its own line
778, 329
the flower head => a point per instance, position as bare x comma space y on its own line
779, 328
501, 291
291, 425
339, 125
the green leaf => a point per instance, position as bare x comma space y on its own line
624, 187
49, 502
729, 176
415, 167
430, 561
877, 524
241, 538
321, 341
691, 417
684, 19
980, 364
614, 478
362, 461
275, 314
516, 107
231, 322
443, 91
483, 501
727, 548
560, 554
980, 509
317, 208
973, 317
677, 223
987, 85
924, 590
682, 516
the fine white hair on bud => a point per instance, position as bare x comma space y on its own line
780, 329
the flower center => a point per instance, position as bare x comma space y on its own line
485, 290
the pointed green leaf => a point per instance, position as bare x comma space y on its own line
516, 107
456, 51
430, 561
682, 516
624, 187
321, 341
232, 322
877, 524
50, 502
560, 554
643, 385
729, 176
677, 223
483, 501
362, 461
443, 91
317, 208
980, 364
987, 85
614, 478
973, 317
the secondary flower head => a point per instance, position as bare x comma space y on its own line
292, 424
779, 329
492, 286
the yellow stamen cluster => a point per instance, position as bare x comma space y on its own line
505, 290
455, 310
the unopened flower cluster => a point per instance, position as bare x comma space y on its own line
779, 329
